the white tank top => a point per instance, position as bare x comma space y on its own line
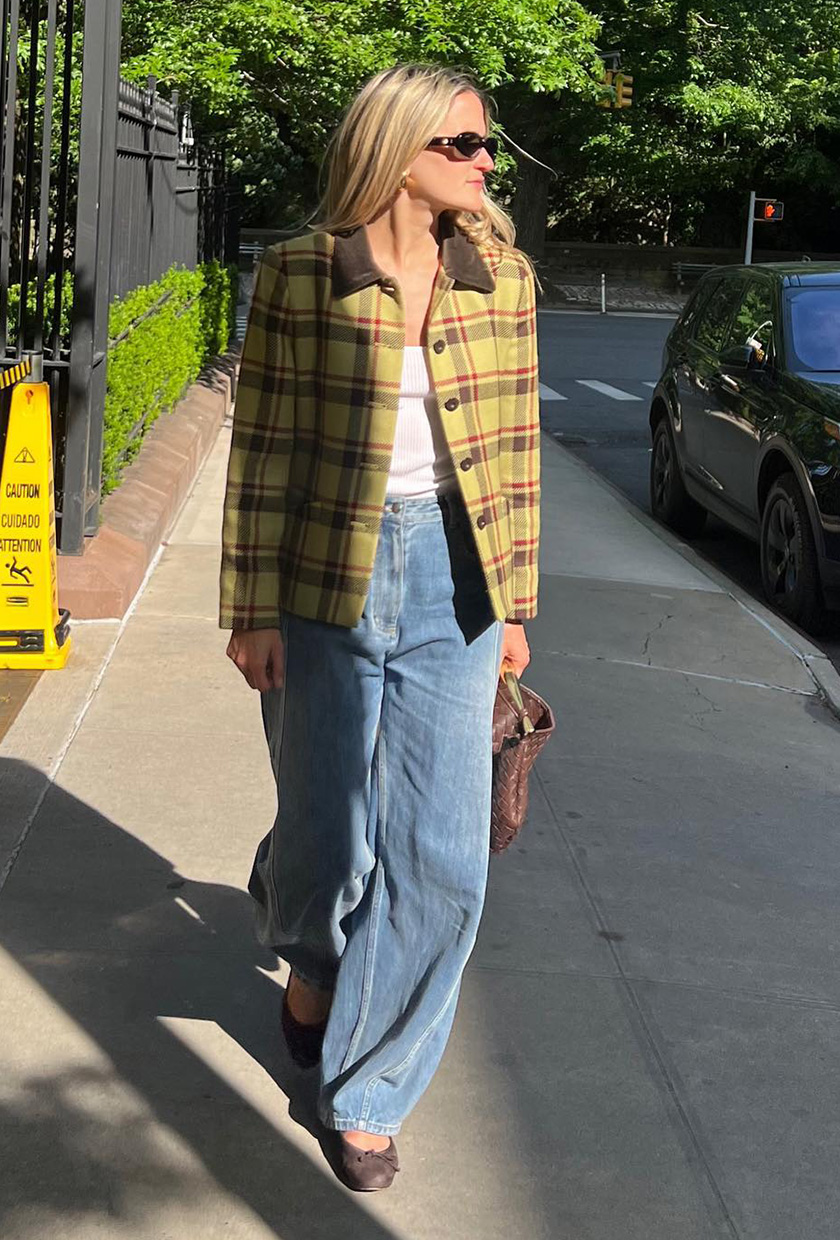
421, 464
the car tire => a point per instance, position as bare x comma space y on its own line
670, 503
790, 574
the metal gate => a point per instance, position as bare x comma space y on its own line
97, 196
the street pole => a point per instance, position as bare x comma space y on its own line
750, 225
603, 293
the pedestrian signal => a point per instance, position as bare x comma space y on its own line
33, 632
769, 210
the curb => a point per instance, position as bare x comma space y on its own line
593, 307
594, 311
815, 661
136, 518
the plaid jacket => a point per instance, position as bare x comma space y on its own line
314, 419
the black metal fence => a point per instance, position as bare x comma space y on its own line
97, 197
169, 196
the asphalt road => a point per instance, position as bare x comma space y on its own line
606, 425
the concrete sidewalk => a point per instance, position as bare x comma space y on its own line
647, 1043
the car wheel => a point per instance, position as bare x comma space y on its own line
789, 566
670, 503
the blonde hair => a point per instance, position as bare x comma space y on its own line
387, 125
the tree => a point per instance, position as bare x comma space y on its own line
272, 77
727, 97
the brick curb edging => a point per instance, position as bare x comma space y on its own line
136, 518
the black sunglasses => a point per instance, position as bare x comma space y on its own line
469, 144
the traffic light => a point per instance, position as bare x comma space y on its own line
769, 210
623, 84
607, 80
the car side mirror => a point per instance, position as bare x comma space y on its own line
738, 357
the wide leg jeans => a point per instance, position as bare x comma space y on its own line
371, 882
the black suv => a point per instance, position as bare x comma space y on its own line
746, 424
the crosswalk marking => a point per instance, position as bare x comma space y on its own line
547, 393
648, 384
606, 389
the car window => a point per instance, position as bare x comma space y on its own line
696, 303
815, 328
752, 322
714, 317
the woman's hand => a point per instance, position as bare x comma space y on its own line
516, 654
259, 655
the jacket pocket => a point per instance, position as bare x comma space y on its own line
317, 512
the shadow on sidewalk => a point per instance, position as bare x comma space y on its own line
114, 935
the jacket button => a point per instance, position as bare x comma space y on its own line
481, 522
466, 463
439, 346
451, 404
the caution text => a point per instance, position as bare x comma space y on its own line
23, 490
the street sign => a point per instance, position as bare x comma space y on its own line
770, 210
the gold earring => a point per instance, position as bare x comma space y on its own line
403, 180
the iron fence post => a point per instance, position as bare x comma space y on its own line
43, 228
11, 34
89, 331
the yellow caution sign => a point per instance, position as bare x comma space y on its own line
33, 632
14, 373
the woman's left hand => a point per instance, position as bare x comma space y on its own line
516, 654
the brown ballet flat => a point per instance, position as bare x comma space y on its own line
366, 1171
305, 1042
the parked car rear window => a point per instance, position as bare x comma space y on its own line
714, 317
815, 328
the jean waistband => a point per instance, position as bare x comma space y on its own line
398, 508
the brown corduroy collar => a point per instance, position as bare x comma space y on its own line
353, 267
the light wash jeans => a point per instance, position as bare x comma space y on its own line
372, 879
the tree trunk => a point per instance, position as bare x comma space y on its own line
530, 207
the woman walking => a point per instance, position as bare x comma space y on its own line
380, 554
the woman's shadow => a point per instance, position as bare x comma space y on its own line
119, 939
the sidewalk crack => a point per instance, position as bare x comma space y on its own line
657, 629
713, 708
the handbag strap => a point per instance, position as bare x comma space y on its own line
513, 687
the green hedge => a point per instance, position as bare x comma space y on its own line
160, 336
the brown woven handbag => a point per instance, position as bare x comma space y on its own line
522, 723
